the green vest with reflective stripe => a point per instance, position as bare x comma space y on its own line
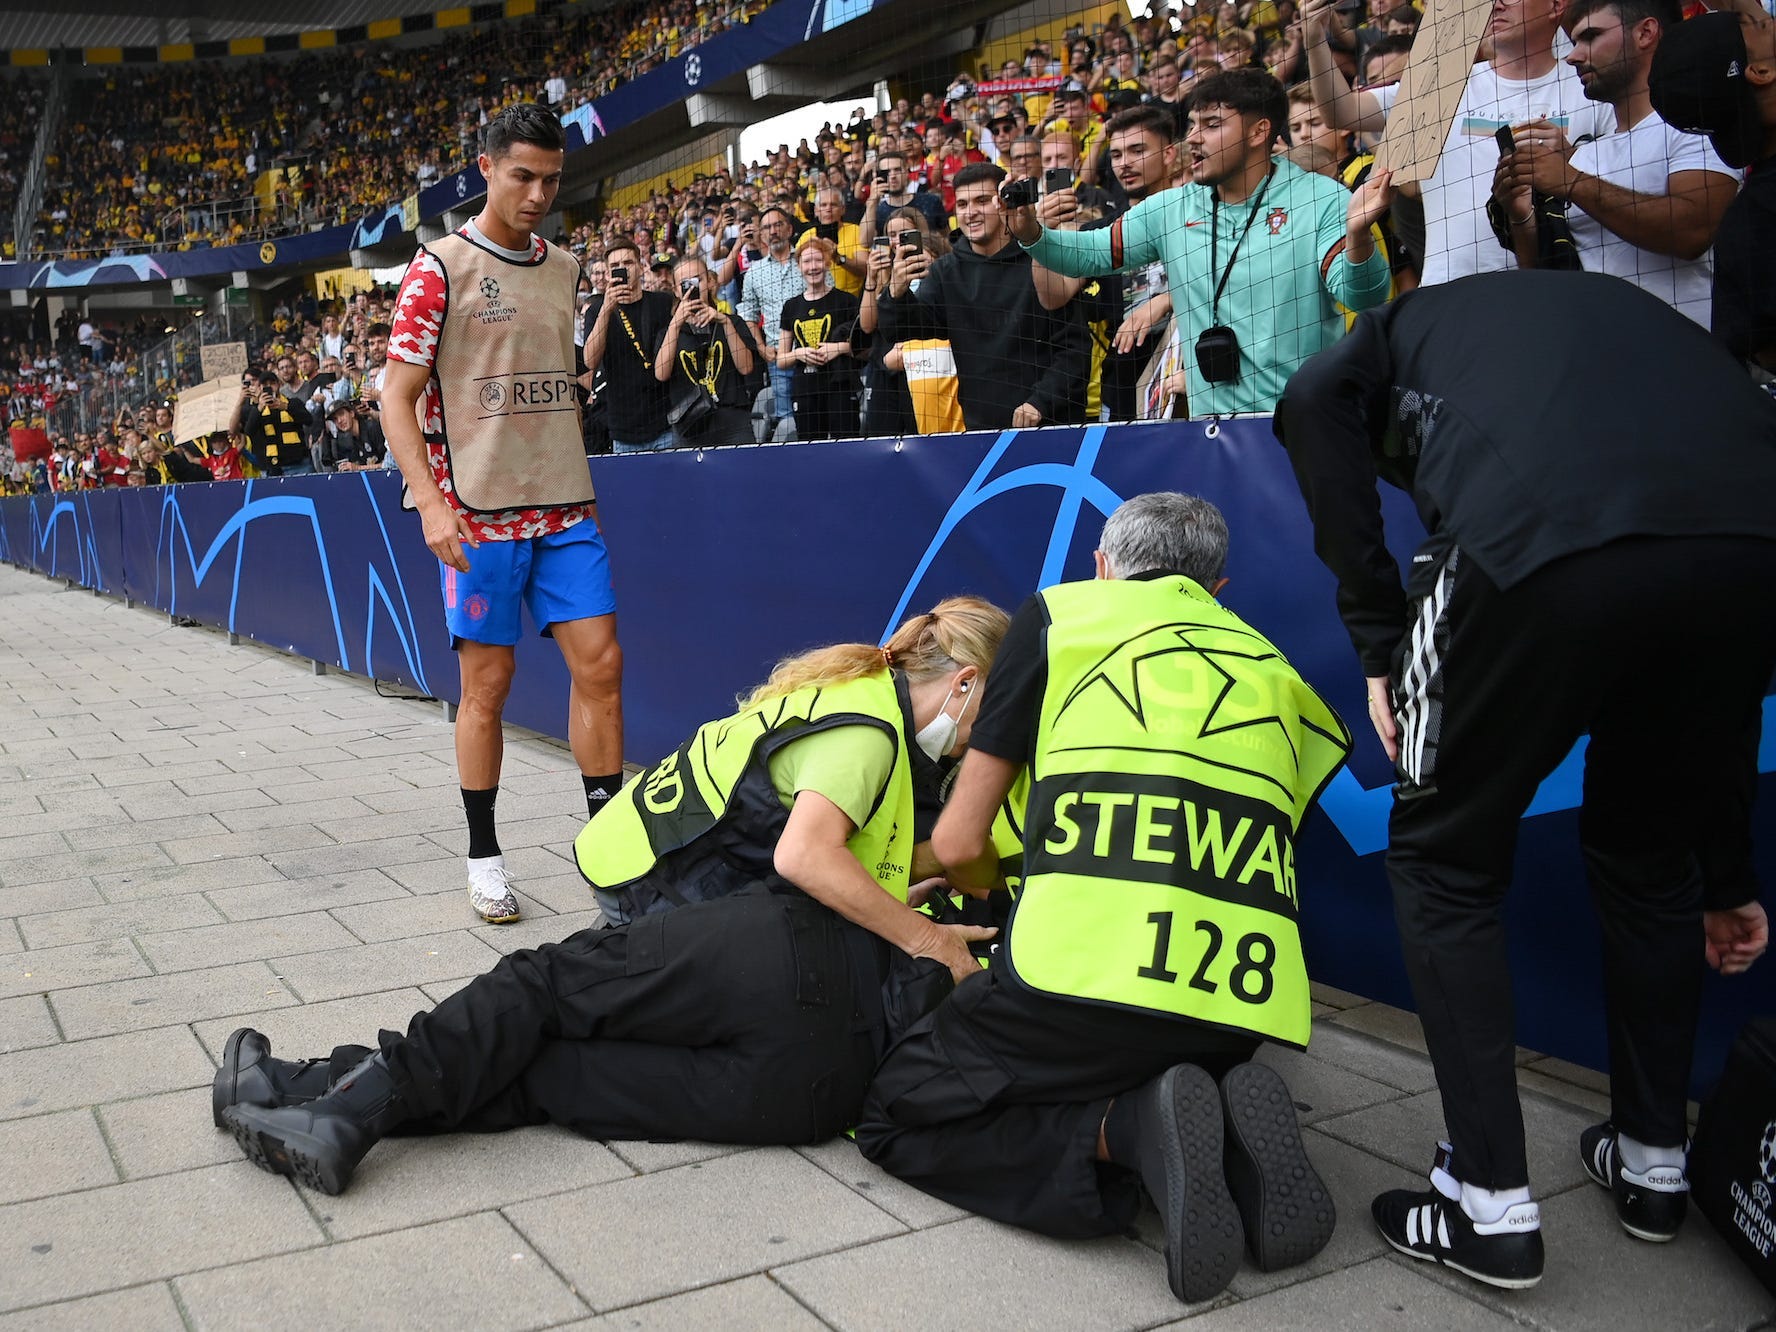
704, 821
1176, 754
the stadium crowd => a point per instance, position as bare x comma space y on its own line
247, 149
840, 277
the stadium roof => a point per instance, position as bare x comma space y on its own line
32, 24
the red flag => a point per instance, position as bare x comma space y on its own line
29, 442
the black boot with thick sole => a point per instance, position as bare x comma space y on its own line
250, 1076
321, 1143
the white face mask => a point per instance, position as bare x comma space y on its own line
937, 737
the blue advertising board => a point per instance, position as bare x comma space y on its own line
728, 560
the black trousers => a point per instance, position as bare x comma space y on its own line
739, 1020
993, 1102
1659, 649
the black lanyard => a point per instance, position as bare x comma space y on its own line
1215, 242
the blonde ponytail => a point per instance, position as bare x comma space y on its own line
961, 631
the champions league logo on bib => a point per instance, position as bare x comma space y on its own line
1751, 1202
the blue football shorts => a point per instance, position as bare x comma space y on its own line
562, 576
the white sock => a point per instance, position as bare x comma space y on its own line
1488, 1205
1640, 1158
1441, 1180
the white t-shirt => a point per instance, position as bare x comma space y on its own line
1458, 238
1641, 159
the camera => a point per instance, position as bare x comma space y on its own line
1218, 354
1018, 193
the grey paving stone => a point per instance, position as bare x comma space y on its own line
38, 844
1406, 1133
536, 928
1595, 1104
1590, 1079
40, 969
1367, 1057
172, 828
25, 1023
1693, 1283
52, 1154
262, 761
272, 843
51, 895
332, 859
143, 1230
474, 1272
138, 1309
1378, 1295
406, 915
406, 798
640, 1239
409, 1181
368, 968
1354, 1177
1322, 1090
439, 991
121, 778
310, 1031
751, 1304
55, 1077
76, 864
159, 1001
287, 897
648, 1157
156, 1135
216, 945
370, 827
977, 1273
840, 1158
1393, 1025
114, 920
325, 806
177, 880
10, 942
564, 894
149, 802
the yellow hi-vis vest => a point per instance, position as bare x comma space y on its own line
1176, 754
704, 821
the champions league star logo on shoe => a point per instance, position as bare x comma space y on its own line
490, 288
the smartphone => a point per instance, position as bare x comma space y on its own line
619, 275
1507, 145
1056, 179
911, 241
882, 242
687, 286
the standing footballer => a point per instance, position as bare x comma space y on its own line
480, 413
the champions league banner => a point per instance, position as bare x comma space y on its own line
726, 561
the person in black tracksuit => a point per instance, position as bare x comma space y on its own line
1602, 561
1016, 363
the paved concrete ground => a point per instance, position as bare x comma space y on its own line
195, 836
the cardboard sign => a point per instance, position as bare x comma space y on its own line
223, 359
1431, 89
205, 408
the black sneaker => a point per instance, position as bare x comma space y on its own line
1650, 1206
1285, 1206
1428, 1225
1180, 1118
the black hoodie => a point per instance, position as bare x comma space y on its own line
1008, 349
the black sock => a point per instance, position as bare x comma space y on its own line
478, 805
1122, 1132
599, 790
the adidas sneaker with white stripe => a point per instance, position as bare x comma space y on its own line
1650, 1204
1431, 1226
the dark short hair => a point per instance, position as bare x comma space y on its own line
621, 245
523, 122
1145, 117
1404, 14
378, 330
1631, 12
890, 154
1250, 92
1401, 44
975, 172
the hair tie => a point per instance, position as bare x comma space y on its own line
887, 657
